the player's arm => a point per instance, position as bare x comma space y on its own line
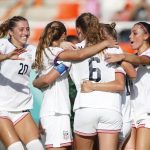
76, 55
14, 55
118, 85
131, 58
129, 69
50, 77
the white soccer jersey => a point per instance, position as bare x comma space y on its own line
15, 93
141, 89
96, 69
56, 96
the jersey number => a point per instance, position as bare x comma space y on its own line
93, 70
23, 70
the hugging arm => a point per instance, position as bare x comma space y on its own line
117, 85
77, 55
50, 77
131, 58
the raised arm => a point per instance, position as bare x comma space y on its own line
77, 55
131, 58
117, 85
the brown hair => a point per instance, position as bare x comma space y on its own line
89, 25
52, 32
108, 29
146, 28
9, 25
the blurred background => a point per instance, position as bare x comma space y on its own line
40, 12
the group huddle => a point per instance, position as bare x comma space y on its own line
112, 107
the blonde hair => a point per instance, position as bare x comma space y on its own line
52, 32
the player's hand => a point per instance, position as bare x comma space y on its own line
112, 43
112, 58
86, 86
67, 45
14, 55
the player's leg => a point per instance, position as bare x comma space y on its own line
109, 126
8, 134
142, 139
131, 140
28, 131
108, 140
84, 142
85, 128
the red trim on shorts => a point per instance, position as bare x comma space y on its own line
85, 134
23, 116
139, 126
61, 145
108, 131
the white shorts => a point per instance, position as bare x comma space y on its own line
125, 131
90, 121
58, 130
15, 117
142, 121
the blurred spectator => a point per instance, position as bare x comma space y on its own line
125, 13
93, 6
110, 7
141, 11
133, 11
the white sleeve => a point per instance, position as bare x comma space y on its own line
146, 53
57, 52
120, 69
3, 44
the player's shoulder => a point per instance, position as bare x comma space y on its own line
4, 41
147, 52
31, 47
114, 50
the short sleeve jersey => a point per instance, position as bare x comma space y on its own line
15, 93
141, 89
56, 96
95, 69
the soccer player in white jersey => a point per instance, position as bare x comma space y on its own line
96, 112
140, 41
108, 31
59, 106
55, 108
16, 57
75, 55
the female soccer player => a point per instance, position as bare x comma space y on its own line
71, 55
108, 31
16, 57
140, 41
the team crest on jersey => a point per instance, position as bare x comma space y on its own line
65, 135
